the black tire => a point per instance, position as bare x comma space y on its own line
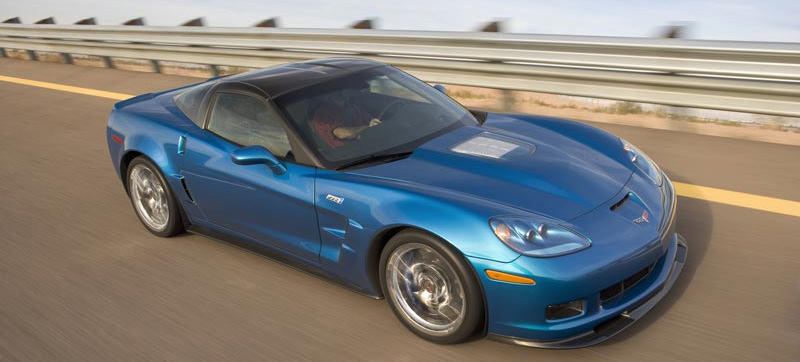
473, 312
174, 224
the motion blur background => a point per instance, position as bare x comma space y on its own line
773, 20
81, 280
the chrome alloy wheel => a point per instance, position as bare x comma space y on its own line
426, 288
149, 197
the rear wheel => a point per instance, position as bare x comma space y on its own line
152, 199
431, 288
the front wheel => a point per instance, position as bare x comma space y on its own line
431, 288
152, 199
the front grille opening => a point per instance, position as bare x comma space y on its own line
565, 310
629, 282
611, 292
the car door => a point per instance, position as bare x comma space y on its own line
251, 200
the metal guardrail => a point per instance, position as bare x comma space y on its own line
736, 76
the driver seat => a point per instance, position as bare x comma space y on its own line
313, 105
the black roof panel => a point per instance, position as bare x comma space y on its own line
291, 76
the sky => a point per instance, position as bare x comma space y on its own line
765, 20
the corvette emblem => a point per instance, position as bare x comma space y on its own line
644, 218
335, 199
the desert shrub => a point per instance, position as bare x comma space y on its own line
625, 108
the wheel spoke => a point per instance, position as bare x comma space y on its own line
137, 178
403, 275
448, 305
407, 268
445, 316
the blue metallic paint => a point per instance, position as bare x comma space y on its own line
576, 174
582, 275
266, 207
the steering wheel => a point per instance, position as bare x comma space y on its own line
396, 102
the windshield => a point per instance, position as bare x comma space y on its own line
372, 112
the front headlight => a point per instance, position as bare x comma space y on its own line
643, 162
537, 238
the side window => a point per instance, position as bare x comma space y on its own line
189, 100
248, 121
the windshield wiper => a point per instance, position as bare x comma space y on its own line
378, 157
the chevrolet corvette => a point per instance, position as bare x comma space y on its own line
531, 230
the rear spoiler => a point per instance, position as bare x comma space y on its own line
147, 96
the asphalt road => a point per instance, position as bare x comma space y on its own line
82, 280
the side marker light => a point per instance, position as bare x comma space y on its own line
506, 277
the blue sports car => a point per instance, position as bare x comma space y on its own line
532, 230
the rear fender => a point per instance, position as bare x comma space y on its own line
138, 134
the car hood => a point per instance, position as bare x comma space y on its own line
537, 168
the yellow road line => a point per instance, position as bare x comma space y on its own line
763, 203
67, 88
751, 201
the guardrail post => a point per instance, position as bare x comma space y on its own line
49, 20
269, 23
492, 27
507, 99
137, 21
153, 63
133, 22
194, 22
14, 20
156, 66
363, 24
676, 31
66, 58
32, 54
506, 95
87, 21
107, 62
214, 69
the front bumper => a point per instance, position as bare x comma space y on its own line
633, 312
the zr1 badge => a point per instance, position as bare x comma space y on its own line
335, 199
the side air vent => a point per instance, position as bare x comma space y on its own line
620, 202
186, 189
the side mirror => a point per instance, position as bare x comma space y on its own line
440, 88
253, 155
